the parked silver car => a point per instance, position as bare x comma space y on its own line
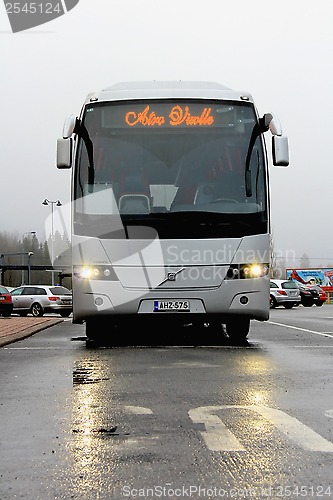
284, 293
40, 299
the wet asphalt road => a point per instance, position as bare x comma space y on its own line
168, 421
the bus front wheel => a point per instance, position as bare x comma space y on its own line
238, 329
94, 333
101, 332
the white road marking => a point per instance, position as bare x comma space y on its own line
32, 348
218, 438
313, 346
139, 410
324, 334
193, 364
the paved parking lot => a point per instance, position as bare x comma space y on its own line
15, 328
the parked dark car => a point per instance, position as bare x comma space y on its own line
6, 303
40, 299
322, 295
311, 295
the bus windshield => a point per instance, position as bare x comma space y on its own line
172, 165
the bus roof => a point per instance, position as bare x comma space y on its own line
167, 89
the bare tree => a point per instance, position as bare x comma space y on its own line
304, 262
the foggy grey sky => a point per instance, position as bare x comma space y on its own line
280, 52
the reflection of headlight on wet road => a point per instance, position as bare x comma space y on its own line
259, 398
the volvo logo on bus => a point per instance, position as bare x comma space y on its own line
171, 276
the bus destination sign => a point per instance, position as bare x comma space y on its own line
178, 115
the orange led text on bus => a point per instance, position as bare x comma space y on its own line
178, 116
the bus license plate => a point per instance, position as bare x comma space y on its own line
172, 305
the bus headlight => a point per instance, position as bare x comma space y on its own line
95, 273
246, 271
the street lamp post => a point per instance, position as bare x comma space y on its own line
58, 204
22, 280
30, 254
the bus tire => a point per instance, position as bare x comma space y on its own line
238, 329
100, 332
92, 333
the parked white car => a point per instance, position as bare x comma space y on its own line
284, 293
40, 299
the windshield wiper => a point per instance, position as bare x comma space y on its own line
259, 128
82, 132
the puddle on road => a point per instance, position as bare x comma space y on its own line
98, 432
87, 373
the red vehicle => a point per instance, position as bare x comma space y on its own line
6, 302
322, 295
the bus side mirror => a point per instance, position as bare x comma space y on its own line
280, 151
64, 153
69, 126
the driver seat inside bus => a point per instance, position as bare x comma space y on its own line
229, 187
134, 193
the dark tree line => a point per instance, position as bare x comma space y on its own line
15, 250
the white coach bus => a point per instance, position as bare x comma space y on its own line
170, 207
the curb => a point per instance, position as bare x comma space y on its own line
28, 331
